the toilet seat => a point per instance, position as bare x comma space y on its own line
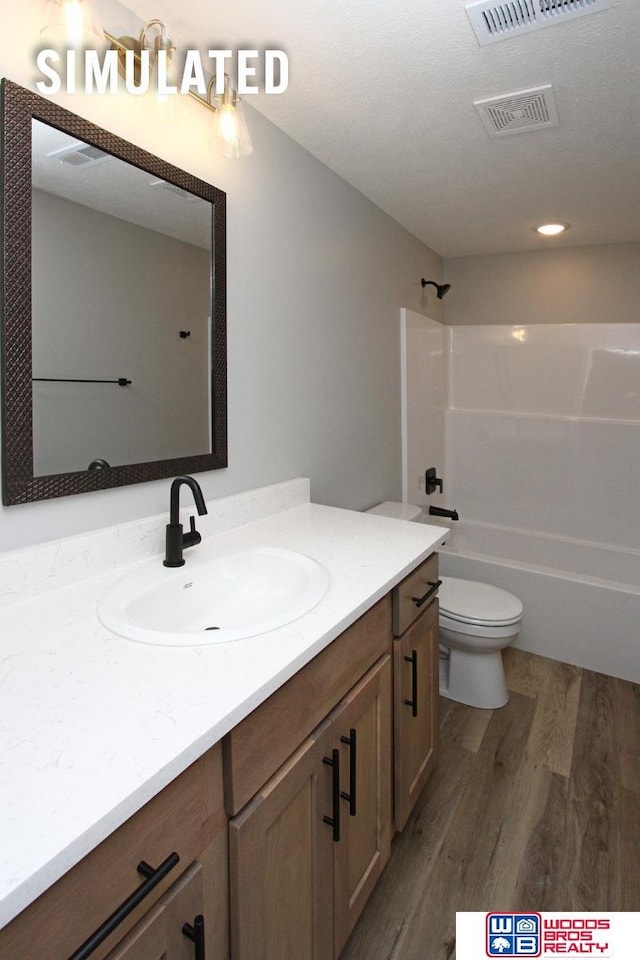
480, 635
478, 604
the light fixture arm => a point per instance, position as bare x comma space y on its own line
161, 41
229, 96
124, 44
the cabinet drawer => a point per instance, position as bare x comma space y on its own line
183, 818
417, 584
160, 932
255, 749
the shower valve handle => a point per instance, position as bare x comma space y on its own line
432, 482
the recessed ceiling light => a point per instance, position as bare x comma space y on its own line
552, 229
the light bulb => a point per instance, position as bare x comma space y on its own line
72, 24
170, 106
552, 229
230, 134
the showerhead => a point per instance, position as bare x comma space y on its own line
442, 289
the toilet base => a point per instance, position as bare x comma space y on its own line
476, 679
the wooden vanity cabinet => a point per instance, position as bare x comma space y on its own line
281, 853
416, 684
187, 818
308, 848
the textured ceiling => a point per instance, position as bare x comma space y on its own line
117, 188
382, 92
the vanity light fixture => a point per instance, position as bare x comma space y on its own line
230, 135
72, 24
551, 229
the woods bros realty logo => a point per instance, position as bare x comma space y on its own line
533, 935
513, 934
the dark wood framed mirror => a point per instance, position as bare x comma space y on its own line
113, 309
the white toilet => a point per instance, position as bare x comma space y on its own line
477, 621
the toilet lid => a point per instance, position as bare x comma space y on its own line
399, 511
470, 602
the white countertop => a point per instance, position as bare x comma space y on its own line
93, 726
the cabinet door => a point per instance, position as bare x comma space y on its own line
415, 711
159, 935
362, 730
281, 851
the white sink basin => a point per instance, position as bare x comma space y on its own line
217, 600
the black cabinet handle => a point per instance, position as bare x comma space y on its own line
334, 821
419, 601
195, 933
413, 703
152, 879
350, 797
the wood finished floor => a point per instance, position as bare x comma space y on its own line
535, 806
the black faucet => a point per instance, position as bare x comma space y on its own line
176, 540
442, 512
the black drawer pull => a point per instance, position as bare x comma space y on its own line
152, 879
334, 821
195, 933
419, 601
413, 703
350, 797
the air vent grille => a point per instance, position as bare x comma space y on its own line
173, 189
493, 21
525, 110
79, 155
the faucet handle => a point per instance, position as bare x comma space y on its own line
432, 482
190, 539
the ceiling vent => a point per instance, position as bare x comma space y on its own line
79, 155
533, 109
493, 21
173, 189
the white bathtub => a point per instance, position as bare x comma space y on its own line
581, 599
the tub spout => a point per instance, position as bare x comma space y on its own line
441, 512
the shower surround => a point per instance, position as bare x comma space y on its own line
543, 457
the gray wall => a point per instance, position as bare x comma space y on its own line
599, 284
317, 276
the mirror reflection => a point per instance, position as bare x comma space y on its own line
114, 311
121, 311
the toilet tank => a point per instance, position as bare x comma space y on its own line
399, 511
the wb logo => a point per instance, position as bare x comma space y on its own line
513, 935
